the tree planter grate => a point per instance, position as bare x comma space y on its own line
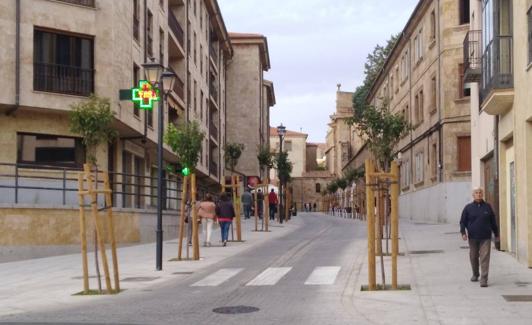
518, 298
232, 310
422, 252
140, 279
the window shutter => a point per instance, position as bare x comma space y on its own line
464, 153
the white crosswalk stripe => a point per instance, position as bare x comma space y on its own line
323, 275
270, 276
217, 278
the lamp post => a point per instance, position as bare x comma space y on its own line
281, 131
162, 79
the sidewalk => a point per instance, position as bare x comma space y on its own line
36, 284
441, 290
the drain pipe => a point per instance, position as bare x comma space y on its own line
17, 59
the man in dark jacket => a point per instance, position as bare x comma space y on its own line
479, 220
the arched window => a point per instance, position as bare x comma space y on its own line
318, 188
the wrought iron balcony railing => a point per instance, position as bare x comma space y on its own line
472, 56
497, 65
63, 79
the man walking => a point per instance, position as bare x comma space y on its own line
479, 220
260, 202
246, 200
272, 200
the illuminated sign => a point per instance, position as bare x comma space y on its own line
144, 95
185, 171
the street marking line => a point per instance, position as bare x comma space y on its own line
269, 277
323, 275
217, 278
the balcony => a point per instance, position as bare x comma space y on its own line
213, 53
63, 79
85, 3
213, 91
472, 56
179, 87
213, 130
497, 76
136, 28
213, 169
176, 28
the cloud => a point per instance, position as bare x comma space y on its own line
315, 44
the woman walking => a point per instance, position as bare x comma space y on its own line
225, 213
206, 211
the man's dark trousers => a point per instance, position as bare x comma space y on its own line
479, 251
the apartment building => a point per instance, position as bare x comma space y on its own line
249, 99
498, 60
423, 80
55, 53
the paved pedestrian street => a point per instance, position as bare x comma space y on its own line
309, 271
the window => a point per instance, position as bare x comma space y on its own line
318, 188
418, 46
398, 78
433, 95
462, 91
63, 63
195, 51
189, 98
195, 7
405, 173
195, 98
418, 108
136, 71
530, 35
149, 33
136, 20
173, 117
464, 153
433, 25
419, 167
391, 87
48, 149
201, 15
188, 40
434, 161
404, 67
464, 11
201, 59
201, 105
287, 145
161, 46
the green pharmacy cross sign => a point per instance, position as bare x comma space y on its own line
144, 95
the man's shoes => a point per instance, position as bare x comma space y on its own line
483, 284
225, 243
474, 278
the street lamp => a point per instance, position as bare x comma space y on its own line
281, 131
163, 79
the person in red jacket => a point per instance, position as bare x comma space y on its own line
272, 199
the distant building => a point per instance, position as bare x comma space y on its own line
249, 99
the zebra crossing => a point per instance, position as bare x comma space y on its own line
320, 276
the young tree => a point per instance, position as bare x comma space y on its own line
185, 140
233, 151
265, 157
92, 119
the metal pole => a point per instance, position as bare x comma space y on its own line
281, 214
159, 230
395, 222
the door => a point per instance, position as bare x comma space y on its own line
491, 188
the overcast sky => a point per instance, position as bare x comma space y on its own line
315, 44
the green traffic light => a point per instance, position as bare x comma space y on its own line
185, 171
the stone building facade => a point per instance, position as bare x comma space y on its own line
338, 139
60, 52
423, 80
500, 79
249, 99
